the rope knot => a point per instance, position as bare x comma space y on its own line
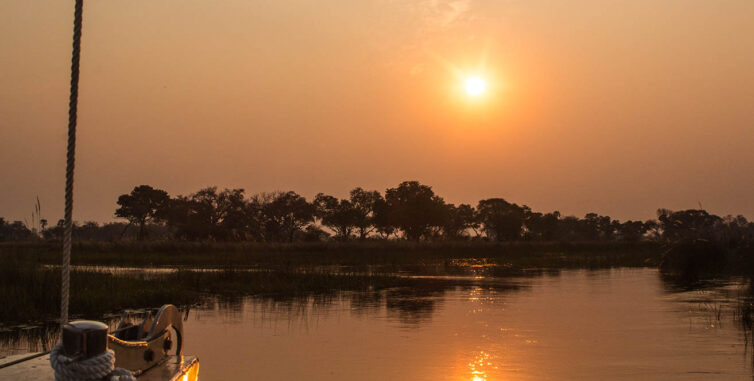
94, 368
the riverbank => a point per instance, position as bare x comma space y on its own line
355, 254
30, 278
31, 293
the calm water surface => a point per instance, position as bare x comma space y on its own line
577, 325
612, 324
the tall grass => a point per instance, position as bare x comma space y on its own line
359, 254
30, 292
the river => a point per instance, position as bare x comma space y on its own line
623, 324
578, 325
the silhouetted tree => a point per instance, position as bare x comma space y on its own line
382, 219
411, 208
286, 214
232, 212
501, 220
112, 231
15, 231
211, 214
182, 218
142, 205
542, 227
54, 232
595, 227
458, 220
414, 208
86, 232
338, 215
736, 230
654, 229
256, 218
687, 224
196, 216
364, 203
313, 233
632, 231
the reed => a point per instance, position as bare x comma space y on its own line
356, 253
29, 286
30, 292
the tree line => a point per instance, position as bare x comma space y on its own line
409, 211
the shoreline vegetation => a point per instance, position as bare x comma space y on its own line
351, 254
410, 211
29, 278
367, 241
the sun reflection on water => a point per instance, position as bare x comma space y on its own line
480, 365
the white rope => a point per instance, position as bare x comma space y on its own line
94, 368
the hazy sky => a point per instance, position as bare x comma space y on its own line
617, 107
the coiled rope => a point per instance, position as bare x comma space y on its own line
95, 368
70, 160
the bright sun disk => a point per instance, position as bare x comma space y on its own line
475, 86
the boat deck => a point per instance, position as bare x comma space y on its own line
36, 367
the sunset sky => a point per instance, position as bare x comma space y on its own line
616, 107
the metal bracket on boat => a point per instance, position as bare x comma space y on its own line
140, 347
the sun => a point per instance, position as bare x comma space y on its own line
475, 86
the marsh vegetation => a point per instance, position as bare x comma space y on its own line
279, 246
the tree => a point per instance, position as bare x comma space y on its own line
364, 202
569, 228
654, 229
338, 215
382, 219
501, 219
286, 215
232, 215
414, 208
86, 232
55, 232
194, 217
632, 231
687, 224
736, 230
542, 227
457, 220
595, 227
15, 231
313, 233
183, 219
255, 216
143, 204
209, 214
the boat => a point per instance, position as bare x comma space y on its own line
87, 350
141, 351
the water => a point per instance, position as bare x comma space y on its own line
577, 325
619, 324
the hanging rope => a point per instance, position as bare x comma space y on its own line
72, 108
95, 368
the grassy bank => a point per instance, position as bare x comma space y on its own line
34, 294
356, 254
30, 291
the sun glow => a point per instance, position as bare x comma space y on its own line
475, 86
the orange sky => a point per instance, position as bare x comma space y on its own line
616, 107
